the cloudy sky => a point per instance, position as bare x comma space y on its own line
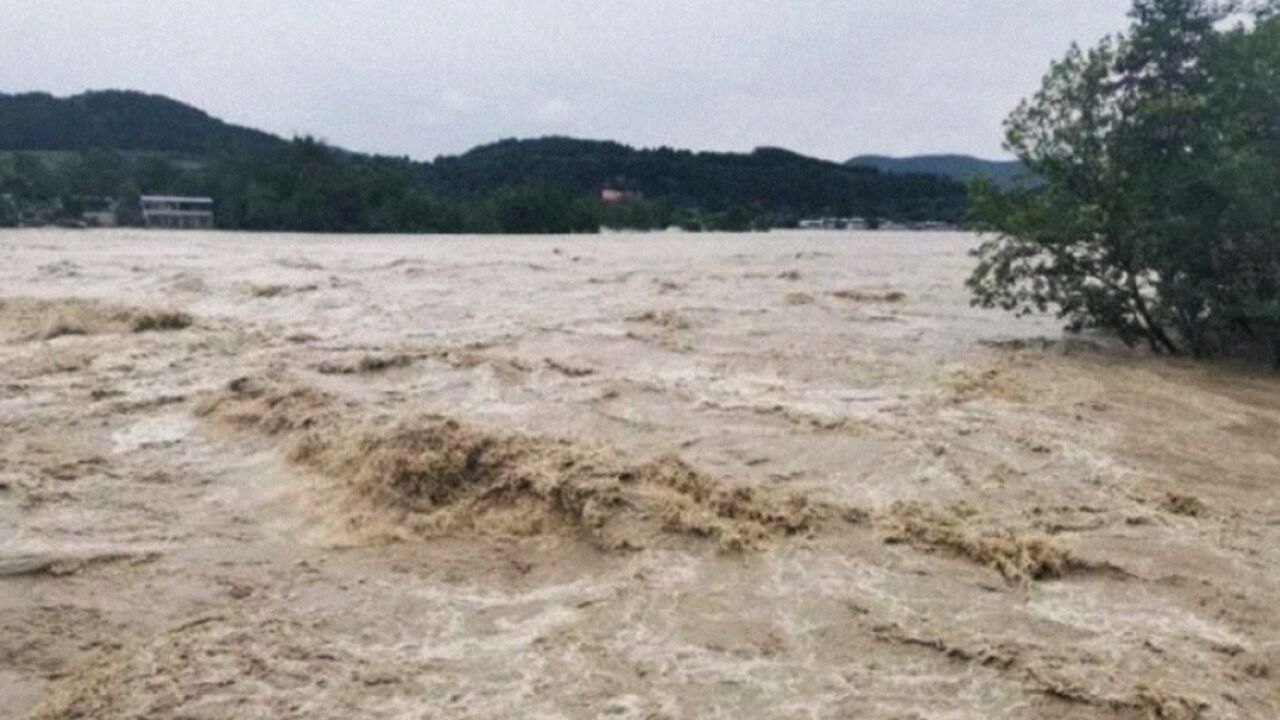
831, 78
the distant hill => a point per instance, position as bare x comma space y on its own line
122, 121
771, 179
957, 167
56, 154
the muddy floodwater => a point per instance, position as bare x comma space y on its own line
790, 475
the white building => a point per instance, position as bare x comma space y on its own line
835, 223
175, 212
99, 211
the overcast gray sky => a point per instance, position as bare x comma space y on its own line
831, 78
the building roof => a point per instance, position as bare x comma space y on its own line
177, 213
175, 198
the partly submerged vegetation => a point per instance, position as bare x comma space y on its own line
1159, 216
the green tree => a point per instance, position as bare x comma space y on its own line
30, 178
1154, 197
8, 212
157, 176
1247, 105
736, 219
536, 210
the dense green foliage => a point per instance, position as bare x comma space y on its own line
8, 213
123, 144
309, 187
1160, 214
769, 181
119, 120
957, 167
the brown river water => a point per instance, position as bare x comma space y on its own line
788, 475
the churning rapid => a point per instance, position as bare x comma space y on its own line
641, 476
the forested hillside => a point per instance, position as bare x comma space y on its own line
769, 179
957, 167
120, 120
58, 154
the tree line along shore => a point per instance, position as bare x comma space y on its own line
62, 156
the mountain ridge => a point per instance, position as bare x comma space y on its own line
961, 168
126, 143
123, 120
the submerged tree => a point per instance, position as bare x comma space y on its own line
1157, 216
8, 212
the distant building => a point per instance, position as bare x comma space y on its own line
99, 211
609, 196
177, 213
835, 223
